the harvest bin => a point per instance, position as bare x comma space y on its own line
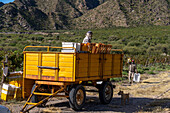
11, 89
69, 69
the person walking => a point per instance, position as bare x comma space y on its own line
132, 70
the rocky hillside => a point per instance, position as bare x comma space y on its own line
107, 14
82, 14
1, 4
126, 13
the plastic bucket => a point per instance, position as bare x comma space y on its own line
136, 77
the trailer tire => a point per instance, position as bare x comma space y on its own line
77, 97
106, 92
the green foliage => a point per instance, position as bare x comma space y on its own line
124, 73
40, 38
134, 43
118, 79
151, 72
153, 69
147, 45
141, 71
15, 59
133, 50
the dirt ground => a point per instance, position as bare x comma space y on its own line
152, 94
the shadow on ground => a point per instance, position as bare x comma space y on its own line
136, 104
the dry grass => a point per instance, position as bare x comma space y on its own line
52, 110
157, 106
158, 102
152, 87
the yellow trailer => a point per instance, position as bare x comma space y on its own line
53, 72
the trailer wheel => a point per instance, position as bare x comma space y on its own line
106, 92
77, 97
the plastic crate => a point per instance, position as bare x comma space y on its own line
70, 44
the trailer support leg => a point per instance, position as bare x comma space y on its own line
40, 102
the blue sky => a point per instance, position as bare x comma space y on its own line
6, 1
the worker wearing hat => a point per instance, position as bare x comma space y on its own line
129, 61
132, 70
88, 37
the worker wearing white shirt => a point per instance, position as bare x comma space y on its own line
88, 37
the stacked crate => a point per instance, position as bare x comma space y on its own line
12, 89
96, 48
7, 92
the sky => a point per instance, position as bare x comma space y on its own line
6, 1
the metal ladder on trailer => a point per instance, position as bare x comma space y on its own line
49, 95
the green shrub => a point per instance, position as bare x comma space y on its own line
133, 50
118, 79
117, 46
134, 43
151, 72
12, 44
146, 68
40, 38
141, 71
125, 73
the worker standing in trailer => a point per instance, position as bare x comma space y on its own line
88, 37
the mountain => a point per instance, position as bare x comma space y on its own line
107, 14
82, 14
126, 13
1, 4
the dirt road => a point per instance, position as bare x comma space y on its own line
151, 94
